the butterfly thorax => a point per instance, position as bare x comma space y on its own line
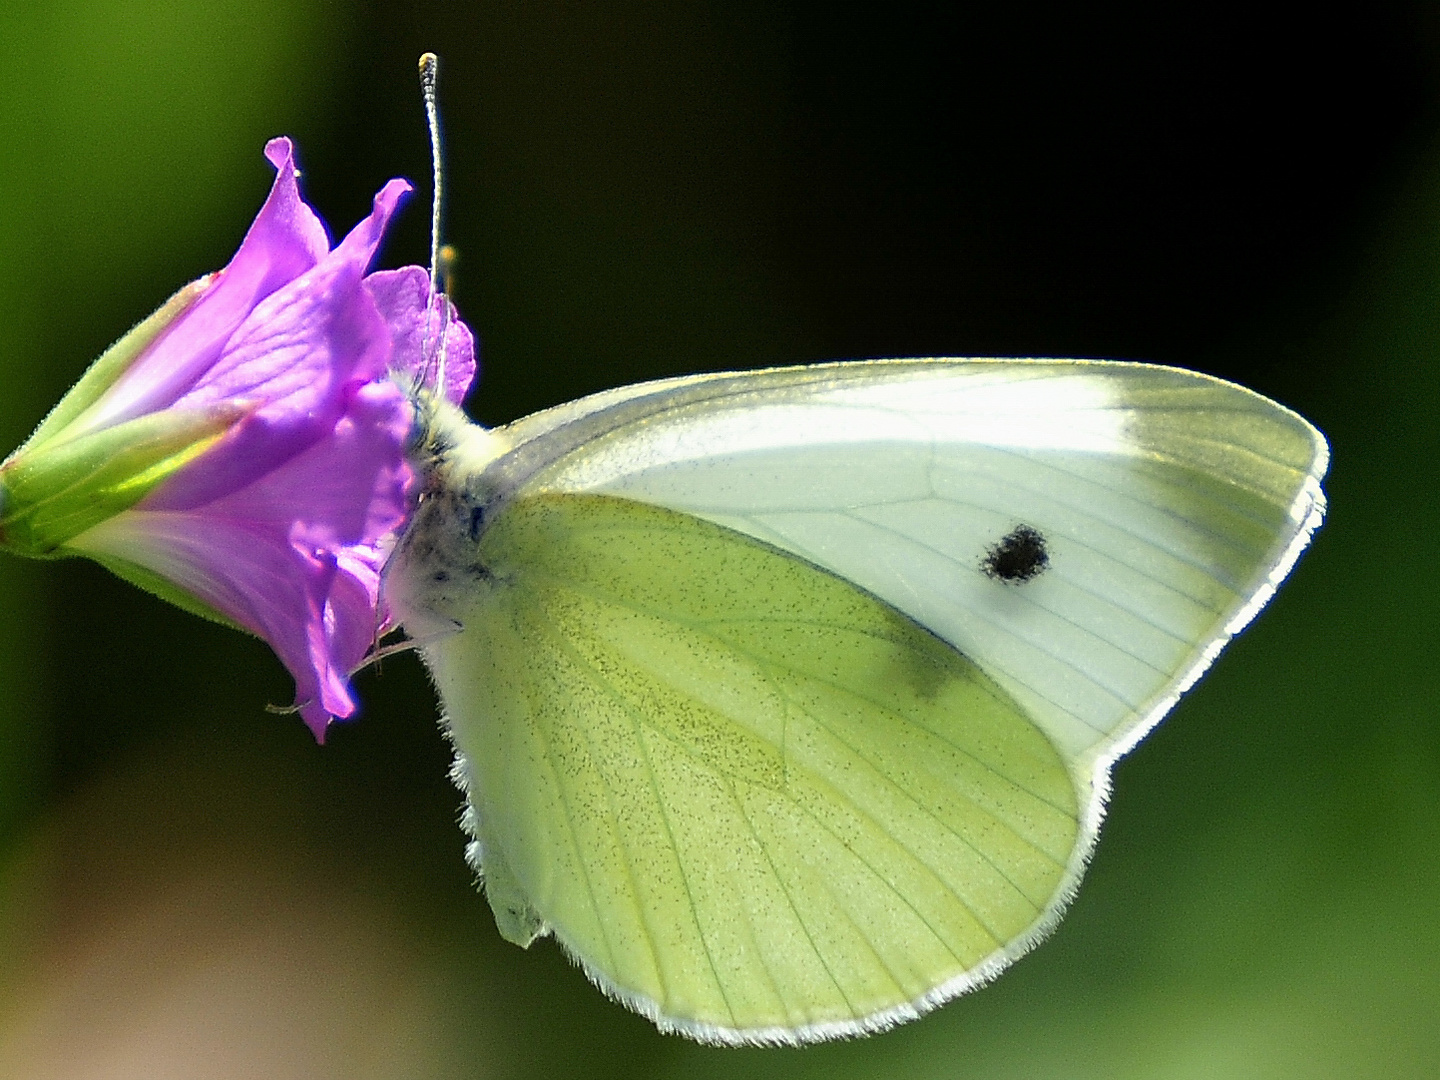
435, 571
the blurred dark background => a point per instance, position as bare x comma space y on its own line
190, 887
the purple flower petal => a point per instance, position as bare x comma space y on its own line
292, 557
271, 588
297, 355
285, 240
353, 485
402, 297
320, 330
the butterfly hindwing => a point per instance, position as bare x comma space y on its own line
753, 800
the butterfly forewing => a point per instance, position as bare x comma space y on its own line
1167, 501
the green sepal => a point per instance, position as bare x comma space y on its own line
113, 363
52, 493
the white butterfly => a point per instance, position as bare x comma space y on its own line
787, 700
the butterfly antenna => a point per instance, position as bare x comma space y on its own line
429, 72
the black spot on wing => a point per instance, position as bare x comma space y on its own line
1020, 556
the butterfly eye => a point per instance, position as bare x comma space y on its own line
1020, 556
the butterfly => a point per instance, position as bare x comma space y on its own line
787, 701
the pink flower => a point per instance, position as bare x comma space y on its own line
278, 515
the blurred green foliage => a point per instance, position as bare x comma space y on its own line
645, 189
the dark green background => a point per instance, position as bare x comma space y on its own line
644, 189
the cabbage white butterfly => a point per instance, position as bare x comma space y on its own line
787, 700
